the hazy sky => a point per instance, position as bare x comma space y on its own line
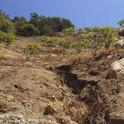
80, 12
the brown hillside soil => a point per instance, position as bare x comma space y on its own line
57, 86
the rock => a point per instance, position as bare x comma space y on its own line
109, 56
118, 66
116, 70
119, 44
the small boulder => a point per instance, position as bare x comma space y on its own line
116, 69
119, 44
118, 66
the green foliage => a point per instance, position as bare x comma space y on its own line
91, 29
97, 37
32, 48
51, 42
108, 34
29, 30
68, 30
47, 30
66, 44
5, 24
49, 25
7, 38
37, 25
63, 42
19, 22
24, 28
121, 23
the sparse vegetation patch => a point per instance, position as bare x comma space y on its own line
7, 38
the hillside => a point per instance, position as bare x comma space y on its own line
45, 83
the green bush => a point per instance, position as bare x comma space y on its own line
6, 25
19, 22
32, 48
66, 44
68, 30
7, 38
108, 34
51, 42
97, 37
29, 30
91, 29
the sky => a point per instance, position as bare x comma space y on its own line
82, 13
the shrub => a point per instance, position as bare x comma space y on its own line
66, 44
7, 38
6, 25
51, 42
32, 48
92, 29
19, 22
97, 37
68, 30
47, 31
29, 30
108, 35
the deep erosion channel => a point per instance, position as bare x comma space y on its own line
86, 91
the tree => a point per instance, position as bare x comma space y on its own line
19, 22
4, 14
121, 23
29, 30
49, 24
67, 23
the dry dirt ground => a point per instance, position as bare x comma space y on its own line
58, 86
